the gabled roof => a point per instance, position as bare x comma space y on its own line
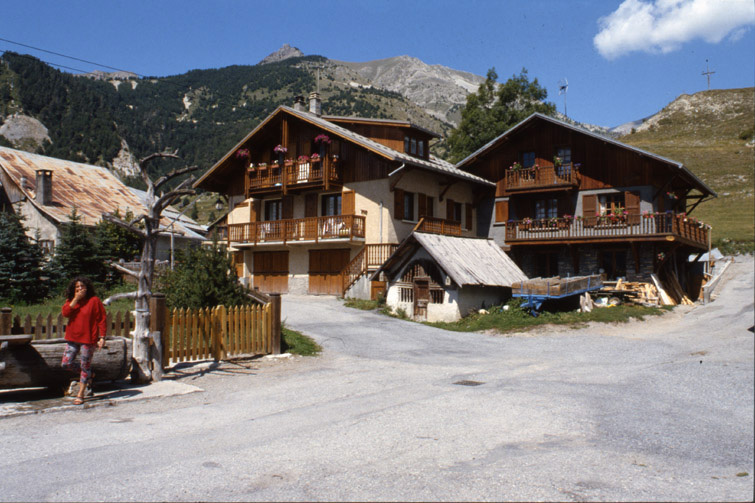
377, 122
94, 190
694, 180
433, 164
467, 261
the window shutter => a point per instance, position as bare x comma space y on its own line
287, 207
398, 204
254, 210
310, 205
449, 209
501, 211
348, 203
421, 205
632, 202
468, 216
589, 207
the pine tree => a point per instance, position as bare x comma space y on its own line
494, 109
115, 243
20, 262
75, 254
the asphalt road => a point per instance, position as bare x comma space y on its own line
654, 410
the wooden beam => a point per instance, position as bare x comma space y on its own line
447, 186
396, 180
636, 254
574, 250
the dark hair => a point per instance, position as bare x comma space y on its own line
71, 288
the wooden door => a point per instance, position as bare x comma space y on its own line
271, 271
421, 297
325, 268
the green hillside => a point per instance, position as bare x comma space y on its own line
711, 132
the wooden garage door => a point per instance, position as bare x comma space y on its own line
325, 268
271, 271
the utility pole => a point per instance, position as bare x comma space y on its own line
708, 73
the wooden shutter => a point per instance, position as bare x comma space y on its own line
310, 205
501, 211
254, 210
287, 207
632, 203
468, 216
449, 209
589, 207
421, 205
398, 204
347, 203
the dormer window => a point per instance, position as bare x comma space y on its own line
414, 147
421, 147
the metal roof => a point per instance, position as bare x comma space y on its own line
468, 261
700, 185
433, 164
93, 190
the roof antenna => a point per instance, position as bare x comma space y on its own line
563, 85
708, 73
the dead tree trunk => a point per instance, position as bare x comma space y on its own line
37, 364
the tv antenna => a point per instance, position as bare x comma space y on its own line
563, 86
708, 73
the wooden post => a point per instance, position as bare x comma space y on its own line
157, 325
275, 299
6, 320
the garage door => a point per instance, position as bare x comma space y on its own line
271, 271
325, 268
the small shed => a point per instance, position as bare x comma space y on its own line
433, 277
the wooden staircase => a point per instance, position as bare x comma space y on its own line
369, 257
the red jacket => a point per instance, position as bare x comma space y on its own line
86, 322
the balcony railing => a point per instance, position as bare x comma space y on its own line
299, 174
438, 226
608, 228
298, 229
539, 178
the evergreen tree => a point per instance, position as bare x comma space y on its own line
203, 277
20, 262
114, 242
75, 254
495, 108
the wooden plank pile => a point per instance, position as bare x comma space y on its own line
657, 293
556, 286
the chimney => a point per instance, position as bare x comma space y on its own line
299, 105
44, 187
315, 105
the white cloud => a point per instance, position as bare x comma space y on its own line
664, 25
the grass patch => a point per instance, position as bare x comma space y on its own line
516, 318
297, 343
364, 305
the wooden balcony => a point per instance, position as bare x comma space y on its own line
656, 227
538, 179
438, 226
295, 175
314, 229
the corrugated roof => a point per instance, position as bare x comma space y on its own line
694, 179
94, 190
433, 164
468, 261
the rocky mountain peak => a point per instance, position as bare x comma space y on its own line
285, 52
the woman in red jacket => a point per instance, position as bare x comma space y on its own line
85, 332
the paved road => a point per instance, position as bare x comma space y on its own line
654, 410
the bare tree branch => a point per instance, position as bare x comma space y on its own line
129, 295
168, 198
173, 174
143, 164
124, 270
165, 230
117, 221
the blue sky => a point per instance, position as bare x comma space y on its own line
624, 59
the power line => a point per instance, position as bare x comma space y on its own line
56, 65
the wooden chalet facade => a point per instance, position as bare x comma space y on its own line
571, 202
317, 202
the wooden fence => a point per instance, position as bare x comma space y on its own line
120, 323
218, 333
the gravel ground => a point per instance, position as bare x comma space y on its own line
660, 409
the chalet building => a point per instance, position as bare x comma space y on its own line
316, 202
45, 190
571, 202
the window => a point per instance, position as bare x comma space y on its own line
414, 146
409, 206
610, 203
455, 211
48, 246
331, 205
273, 210
546, 208
564, 153
528, 159
421, 151
406, 144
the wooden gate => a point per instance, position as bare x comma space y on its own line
325, 271
271, 271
